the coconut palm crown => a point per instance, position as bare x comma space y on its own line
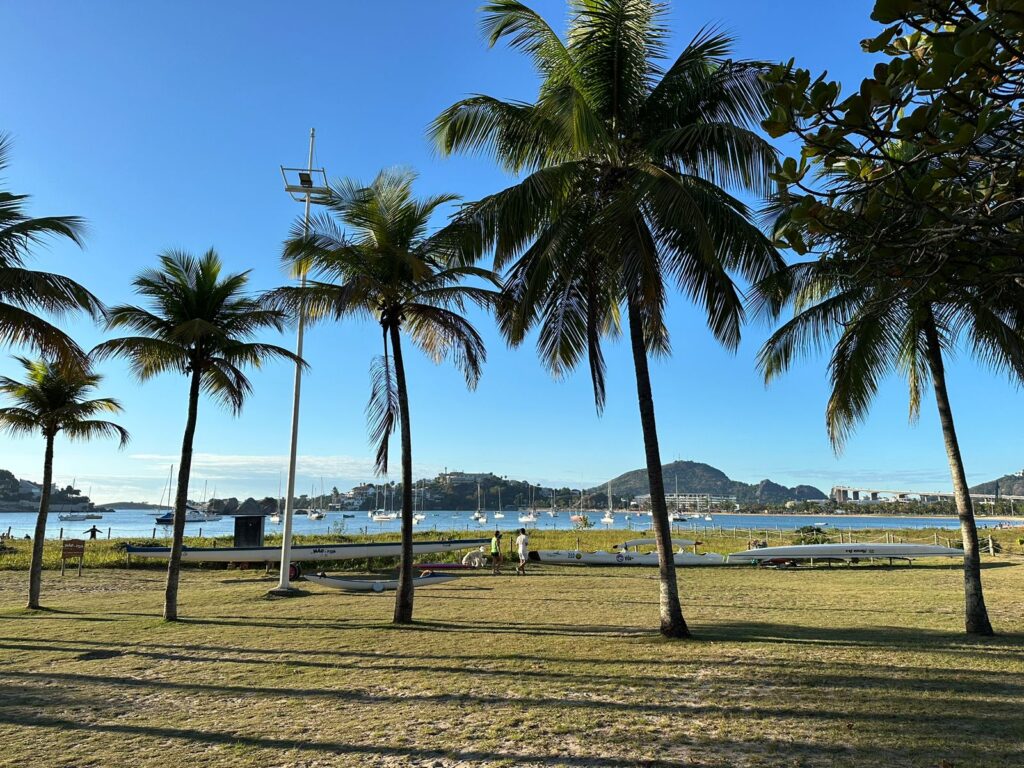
54, 399
627, 160
25, 293
199, 323
372, 255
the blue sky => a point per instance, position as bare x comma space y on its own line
164, 124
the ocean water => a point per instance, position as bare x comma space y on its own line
142, 524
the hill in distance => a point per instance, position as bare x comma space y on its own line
695, 477
1009, 485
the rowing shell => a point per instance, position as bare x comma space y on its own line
844, 552
364, 585
303, 553
577, 557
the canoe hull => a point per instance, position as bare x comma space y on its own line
843, 552
576, 557
303, 553
365, 585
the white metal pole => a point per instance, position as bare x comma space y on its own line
286, 533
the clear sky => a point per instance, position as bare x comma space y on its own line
165, 123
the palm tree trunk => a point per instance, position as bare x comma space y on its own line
672, 622
35, 572
404, 595
975, 614
181, 500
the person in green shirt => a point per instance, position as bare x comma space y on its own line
496, 553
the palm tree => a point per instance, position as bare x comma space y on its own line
626, 164
880, 319
53, 399
388, 267
24, 292
199, 324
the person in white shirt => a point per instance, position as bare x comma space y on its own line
522, 544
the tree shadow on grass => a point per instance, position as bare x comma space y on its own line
881, 637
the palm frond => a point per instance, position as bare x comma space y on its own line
382, 412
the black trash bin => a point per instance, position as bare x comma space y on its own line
249, 530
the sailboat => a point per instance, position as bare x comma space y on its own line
552, 512
418, 517
579, 517
609, 517
531, 515
318, 512
677, 515
480, 516
499, 515
383, 515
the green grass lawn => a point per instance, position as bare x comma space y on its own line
844, 666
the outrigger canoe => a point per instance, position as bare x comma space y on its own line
303, 553
622, 557
853, 552
366, 585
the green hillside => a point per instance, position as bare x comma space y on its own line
695, 477
1008, 485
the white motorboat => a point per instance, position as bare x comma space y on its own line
608, 519
384, 517
304, 553
499, 516
419, 517
377, 585
316, 514
73, 517
529, 517
852, 552
276, 518
192, 515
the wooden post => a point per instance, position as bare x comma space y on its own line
61, 536
991, 546
108, 533
936, 538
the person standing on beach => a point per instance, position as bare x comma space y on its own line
522, 544
92, 532
496, 553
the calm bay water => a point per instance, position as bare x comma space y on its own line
141, 523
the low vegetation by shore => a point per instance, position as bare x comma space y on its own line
863, 666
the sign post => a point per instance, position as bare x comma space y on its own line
72, 548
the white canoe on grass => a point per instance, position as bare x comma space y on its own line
303, 553
577, 557
367, 585
844, 552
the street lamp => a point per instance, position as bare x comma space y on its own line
305, 185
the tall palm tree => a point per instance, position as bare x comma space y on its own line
24, 292
199, 323
879, 319
626, 165
372, 255
54, 398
